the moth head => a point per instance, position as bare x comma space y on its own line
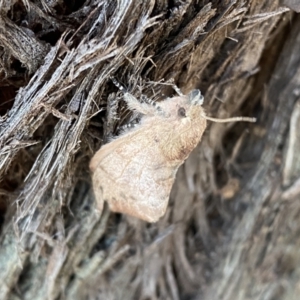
190, 107
183, 110
185, 124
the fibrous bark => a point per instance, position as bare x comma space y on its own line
231, 229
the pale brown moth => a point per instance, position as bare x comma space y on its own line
135, 172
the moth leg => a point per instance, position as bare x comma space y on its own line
111, 116
141, 107
128, 126
175, 87
148, 107
171, 83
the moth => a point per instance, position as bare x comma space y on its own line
135, 172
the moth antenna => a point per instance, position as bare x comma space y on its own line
234, 119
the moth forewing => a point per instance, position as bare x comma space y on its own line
135, 172
130, 174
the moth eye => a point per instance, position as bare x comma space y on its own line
181, 112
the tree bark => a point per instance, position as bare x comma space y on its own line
231, 227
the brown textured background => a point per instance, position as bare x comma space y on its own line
232, 227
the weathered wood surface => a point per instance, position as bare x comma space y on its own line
231, 229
